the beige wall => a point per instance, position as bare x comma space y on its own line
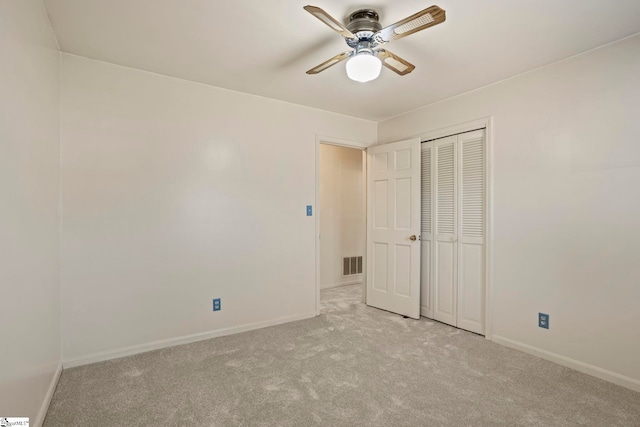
341, 212
176, 193
29, 219
566, 168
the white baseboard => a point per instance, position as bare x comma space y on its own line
340, 284
603, 374
47, 398
171, 342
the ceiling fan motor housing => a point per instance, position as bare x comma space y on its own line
364, 23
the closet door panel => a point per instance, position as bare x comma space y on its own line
426, 231
471, 231
471, 288
445, 250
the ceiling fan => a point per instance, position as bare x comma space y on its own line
365, 35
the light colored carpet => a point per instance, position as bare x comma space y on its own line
352, 366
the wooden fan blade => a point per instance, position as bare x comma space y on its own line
394, 62
330, 21
417, 22
331, 62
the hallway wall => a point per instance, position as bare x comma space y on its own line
341, 212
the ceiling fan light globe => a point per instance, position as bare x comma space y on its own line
363, 67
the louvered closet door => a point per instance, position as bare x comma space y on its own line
426, 231
471, 226
445, 250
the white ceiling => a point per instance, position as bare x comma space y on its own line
264, 47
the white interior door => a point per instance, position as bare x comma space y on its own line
453, 210
393, 227
445, 250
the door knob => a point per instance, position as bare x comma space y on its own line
412, 237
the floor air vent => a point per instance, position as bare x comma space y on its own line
351, 265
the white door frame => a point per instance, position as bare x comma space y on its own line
485, 123
349, 144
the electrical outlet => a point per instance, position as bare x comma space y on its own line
543, 320
216, 304
309, 210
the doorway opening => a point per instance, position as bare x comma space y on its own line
341, 224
